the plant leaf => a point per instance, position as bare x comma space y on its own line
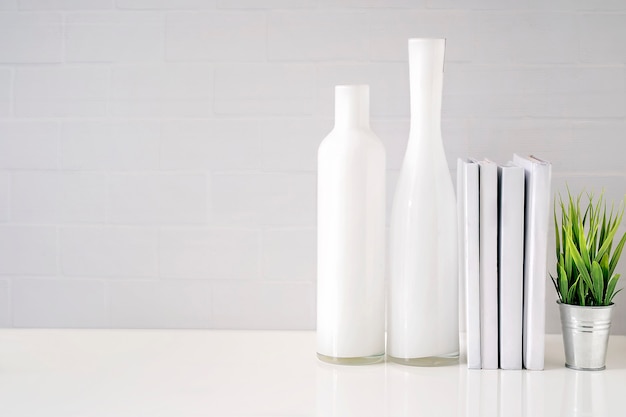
603, 228
564, 222
568, 261
557, 234
597, 289
580, 263
608, 241
610, 288
582, 293
584, 250
593, 226
556, 287
616, 254
563, 282
571, 292
604, 264
614, 294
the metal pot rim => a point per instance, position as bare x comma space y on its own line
584, 307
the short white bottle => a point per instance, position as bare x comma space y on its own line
351, 235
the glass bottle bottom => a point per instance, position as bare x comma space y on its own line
443, 360
365, 360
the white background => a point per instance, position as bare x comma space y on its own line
157, 157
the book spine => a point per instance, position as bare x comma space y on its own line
536, 288
537, 207
471, 205
489, 265
511, 265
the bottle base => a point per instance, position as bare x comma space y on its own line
443, 360
365, 360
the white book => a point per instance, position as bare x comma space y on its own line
510, 264
488, 264
538, 176
468, 204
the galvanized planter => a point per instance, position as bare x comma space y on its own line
585, 335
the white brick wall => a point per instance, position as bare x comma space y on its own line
114, 37
263, 199
391, 28
110, 146
8, 5
59, 302
267, 305
28, 250
31, 38
5, 307
165, 4
389, 87
317, 36
216, 36
65, 4
158, 199
264, 89
28, 145
209, 254
57, 197
109, 252
160, 304
5, 92
158, 157
61, 91
161, 91
216, 144
286, 255
4, 197
290, 144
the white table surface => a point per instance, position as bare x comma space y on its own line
246, 373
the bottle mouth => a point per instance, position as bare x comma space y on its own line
416, 40
432, 42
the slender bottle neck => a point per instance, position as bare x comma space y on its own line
426, 57
352, 106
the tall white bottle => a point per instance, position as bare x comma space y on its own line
423, 321
351, 235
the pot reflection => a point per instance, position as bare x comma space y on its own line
393, 390
584, 395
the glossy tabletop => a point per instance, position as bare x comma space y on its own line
265, 373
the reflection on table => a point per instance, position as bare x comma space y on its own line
393, 390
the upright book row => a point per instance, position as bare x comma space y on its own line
503, 232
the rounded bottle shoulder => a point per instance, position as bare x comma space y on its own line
352, 139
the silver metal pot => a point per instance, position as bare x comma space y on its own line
585, 335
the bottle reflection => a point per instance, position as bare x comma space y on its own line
344, 391
415, 391
532, 394
584, 394
403, 391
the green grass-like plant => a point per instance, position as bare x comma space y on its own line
585, 257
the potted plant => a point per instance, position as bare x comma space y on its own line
585, 278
